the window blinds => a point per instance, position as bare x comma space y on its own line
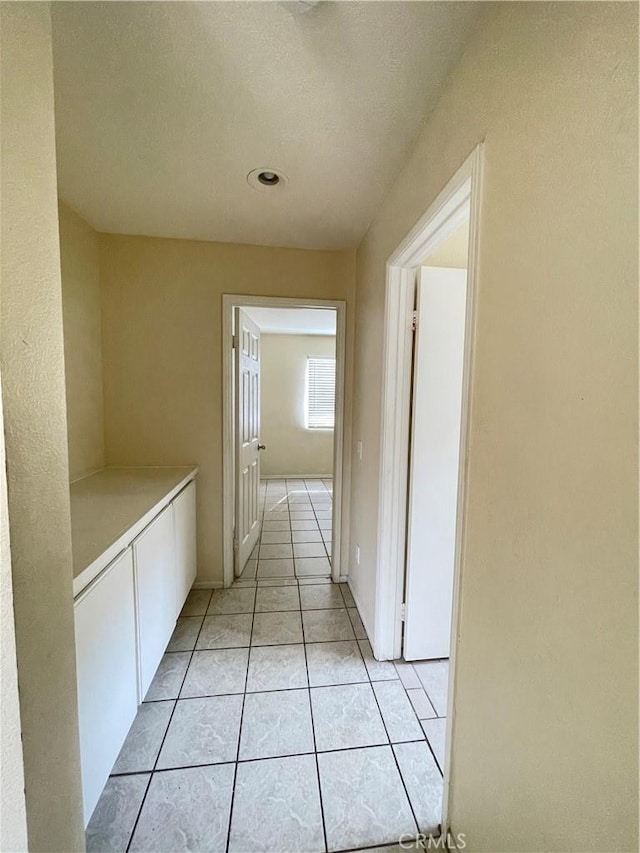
321, 392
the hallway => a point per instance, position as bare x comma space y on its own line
295, 540
270, 726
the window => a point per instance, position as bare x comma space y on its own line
321, 392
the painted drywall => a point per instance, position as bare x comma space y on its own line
162, 351
291, 448
32, 365
545, 730
13, 815
82, 317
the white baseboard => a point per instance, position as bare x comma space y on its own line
207, 585
359, 609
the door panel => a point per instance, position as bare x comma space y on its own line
434, 462
106, 664
247, 436
154, 564
184, 524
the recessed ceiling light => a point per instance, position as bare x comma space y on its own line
267, 180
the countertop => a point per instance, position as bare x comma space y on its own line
111, 507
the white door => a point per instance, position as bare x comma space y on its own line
434, 463
247, 438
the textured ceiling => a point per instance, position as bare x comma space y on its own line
163, 108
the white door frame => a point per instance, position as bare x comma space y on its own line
458, 201
229, 302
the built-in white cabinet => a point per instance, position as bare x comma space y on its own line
155, 582
184, 522
124, 619
106, 662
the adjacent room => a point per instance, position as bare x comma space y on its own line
296, 403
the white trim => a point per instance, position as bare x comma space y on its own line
230, 301
459, 200
361, 610
207, 585
394, 473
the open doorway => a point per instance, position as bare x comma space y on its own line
283, 421
434, 455
429, 325
434, 469
295, 354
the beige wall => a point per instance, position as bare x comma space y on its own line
291, 448
13, 815
546, 725
82, 318
162, 351
31, 360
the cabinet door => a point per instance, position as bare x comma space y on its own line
184, 519
106, 672
154, 563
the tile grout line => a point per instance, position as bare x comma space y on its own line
295, 566
371, 681
397, 678
437, 717
315, 743
423, 688
311, 508
285, 689
264, 758
237, 761
278, 689
426, 737
393, 753
273, 645
391, 743
166, 731
304, 646
322, 539
433, 707
292, 551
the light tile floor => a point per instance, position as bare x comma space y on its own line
296, 532
269, 726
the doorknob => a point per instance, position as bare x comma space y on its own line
262, 447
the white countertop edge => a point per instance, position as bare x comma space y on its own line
88, 575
